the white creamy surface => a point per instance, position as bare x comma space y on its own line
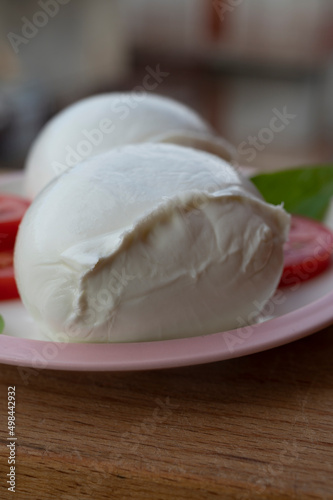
100, 123
148, 242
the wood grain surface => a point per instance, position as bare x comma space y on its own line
256, 427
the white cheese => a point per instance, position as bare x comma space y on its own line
148, 242
100, 123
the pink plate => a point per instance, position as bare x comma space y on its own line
290, 315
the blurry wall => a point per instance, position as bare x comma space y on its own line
53, 52
66, 45
266, 55
270, 31
232, 60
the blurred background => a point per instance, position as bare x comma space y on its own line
239, 63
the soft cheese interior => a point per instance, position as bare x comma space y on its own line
148, 242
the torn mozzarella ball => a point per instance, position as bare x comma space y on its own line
146, 243
100, 123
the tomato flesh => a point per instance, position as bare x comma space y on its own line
8, 288
12, 209
308, 251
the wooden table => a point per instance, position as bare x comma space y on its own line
255, 427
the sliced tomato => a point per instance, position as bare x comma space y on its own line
308, 251
8, 288
12, 209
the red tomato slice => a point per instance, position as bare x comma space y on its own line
8, 288
308, 251
12, 209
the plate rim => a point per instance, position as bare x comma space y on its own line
162, 354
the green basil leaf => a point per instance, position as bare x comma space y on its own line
304, 191
2, 324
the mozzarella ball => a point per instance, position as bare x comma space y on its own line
100, 123
148, 242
